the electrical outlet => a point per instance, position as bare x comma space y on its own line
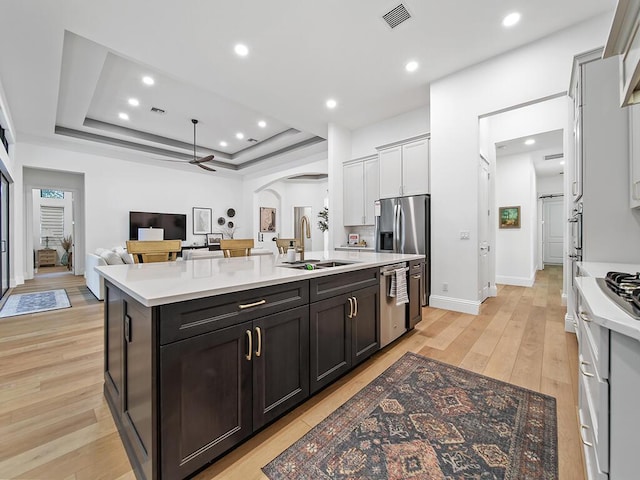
464, 235
445, 287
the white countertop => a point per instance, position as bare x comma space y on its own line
600, 269
356, 247
160, 283
606, 312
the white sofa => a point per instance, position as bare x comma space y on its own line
101, 257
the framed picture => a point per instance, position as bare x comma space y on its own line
509, 217
267, 219
201, 221
214, 238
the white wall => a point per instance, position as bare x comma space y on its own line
115, 187
550, 185
515, 247
523, 75
406, 125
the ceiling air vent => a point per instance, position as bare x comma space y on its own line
554, 156
252, 140
157, 110
396, 16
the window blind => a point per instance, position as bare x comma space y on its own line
51, 223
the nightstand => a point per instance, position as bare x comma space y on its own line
46, 256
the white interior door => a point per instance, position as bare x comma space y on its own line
553, 231
483, 229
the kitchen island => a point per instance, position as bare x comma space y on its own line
201, 354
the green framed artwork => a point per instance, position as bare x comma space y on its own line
509, 217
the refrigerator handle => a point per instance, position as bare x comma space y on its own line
401, 229
396, 226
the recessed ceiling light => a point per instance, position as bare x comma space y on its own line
223, 144
134, 102
239, 135
411, 66
561, 162
331, 103
241, 50
262, 124
511, 19
531, 141
123, 116
148, 80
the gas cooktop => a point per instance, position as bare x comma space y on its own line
624, 289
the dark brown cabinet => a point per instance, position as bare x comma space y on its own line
205, 398
344, 329
415, 288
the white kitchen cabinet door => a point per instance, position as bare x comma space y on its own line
415, 168
353, 199
371, 189
390, 172
634, 155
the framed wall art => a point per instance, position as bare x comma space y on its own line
214, 238
509, 217
267, 219
201, 221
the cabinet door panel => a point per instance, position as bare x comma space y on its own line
390, 172
205, 398
415, 168
353, 189
365, 325
114, 339
415, 291
280, 363
371, 189
329, 340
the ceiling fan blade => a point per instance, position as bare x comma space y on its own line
198, 161
206, 168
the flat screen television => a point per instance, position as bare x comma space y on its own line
174, 224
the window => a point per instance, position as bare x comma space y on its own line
44, 193
51, 225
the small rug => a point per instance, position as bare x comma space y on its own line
425, 420
23, 303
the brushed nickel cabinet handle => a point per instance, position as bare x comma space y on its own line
583, 371
582, 429
259, 349
355, 300
574, 191
254, 304
417, 277
350, 307
248, 355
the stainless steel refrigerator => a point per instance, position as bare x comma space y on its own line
403, 226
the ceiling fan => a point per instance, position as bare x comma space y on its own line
199, 161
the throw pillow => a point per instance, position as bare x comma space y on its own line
112, 258
126, 257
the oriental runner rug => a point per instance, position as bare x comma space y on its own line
24, 303
422, 419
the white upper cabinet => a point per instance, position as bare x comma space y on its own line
634, 154
404, 169
360, 182
624, 40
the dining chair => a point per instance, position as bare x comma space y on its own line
236, 248
283, 244
148, 251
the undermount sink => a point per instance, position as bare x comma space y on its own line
316, 264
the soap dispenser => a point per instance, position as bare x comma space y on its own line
291, 253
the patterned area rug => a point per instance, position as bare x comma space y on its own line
425, 420
23, 303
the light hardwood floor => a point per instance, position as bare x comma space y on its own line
55, 424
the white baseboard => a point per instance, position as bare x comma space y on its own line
471, 307
493, 291
517, 281
564, 300
568, 323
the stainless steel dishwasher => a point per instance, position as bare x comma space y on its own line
393, 318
